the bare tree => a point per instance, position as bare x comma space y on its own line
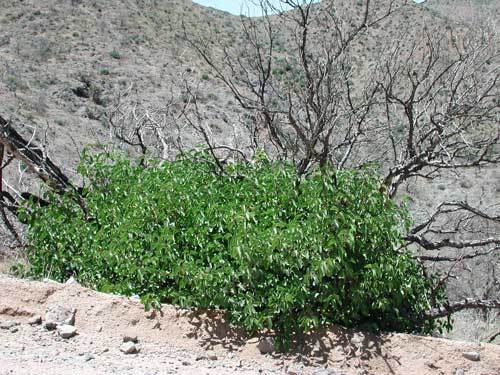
306, 105
153, 130
441, 90
13, 146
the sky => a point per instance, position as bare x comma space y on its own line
234, 6
240, 6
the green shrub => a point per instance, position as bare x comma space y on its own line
115, 55
276, 253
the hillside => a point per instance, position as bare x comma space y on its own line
65, 64
470, 11
51, 49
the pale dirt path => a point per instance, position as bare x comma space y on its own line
182, 342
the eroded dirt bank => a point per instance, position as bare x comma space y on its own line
176, 341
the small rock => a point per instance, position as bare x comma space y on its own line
459, 371
357, 339
212, 357
432, 365
35, 320
328, 371
129, 348
88, 357
201, 357
266, 345
317, 352
13, 329
8, 324
472, 356
59, 315
130, 338
72, 281
186, 363
293, 372
66, 331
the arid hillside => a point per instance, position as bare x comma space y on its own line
65, 63
470, 11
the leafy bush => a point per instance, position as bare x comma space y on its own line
276, 253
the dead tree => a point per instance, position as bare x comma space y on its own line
440, 93
152, 131
306, 105
13, 146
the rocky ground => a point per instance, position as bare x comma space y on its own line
52, 328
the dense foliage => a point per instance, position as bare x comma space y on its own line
274, 252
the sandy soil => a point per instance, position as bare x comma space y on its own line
175, 341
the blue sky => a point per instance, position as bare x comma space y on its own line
239, 6
234, 6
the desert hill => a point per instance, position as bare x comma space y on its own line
470, 11
64, 62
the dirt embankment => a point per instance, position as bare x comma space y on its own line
174, 341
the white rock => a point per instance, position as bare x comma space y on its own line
58, 315
472, 356
8, 324
66, 331
72, 281
128, 348
35, 320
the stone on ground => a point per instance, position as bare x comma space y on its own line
8, 324
128, 348
66, 331
266, 345
472, 356
35, 320
59, 315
